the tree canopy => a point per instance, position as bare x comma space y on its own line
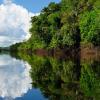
65, 24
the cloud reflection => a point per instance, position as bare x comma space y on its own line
14, 77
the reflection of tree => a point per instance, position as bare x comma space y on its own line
48, 77
90, 81
64, 79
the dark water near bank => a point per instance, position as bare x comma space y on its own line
33, 77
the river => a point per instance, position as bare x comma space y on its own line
47, 78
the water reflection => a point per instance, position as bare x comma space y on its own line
14, 77
65, 79
55, 79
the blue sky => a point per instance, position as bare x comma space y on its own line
34, 6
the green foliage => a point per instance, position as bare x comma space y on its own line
55, 42
67, 40
90, 27
65, 24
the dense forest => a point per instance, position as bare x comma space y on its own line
70, 23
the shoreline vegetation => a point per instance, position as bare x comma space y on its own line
67, 27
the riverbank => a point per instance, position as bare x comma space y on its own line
90, 53
84, 52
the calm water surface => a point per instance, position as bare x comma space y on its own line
15, 80
46, 78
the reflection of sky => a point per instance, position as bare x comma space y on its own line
33, 94
14, 77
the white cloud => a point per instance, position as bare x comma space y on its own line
14, 23
14, 77
7, 1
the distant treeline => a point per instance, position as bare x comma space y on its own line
70, 23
